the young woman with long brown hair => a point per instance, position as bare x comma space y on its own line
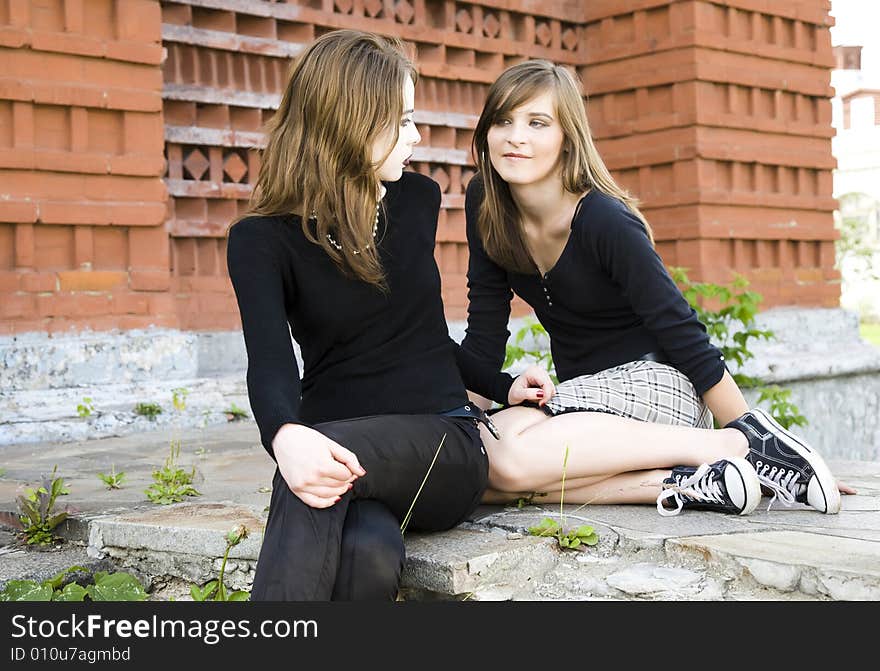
640, 380
338, 249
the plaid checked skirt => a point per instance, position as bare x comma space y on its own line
643, 390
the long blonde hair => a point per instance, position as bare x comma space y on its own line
345, 91
498, 222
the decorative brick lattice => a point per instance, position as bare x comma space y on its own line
716, 114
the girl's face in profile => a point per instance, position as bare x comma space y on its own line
392, 167
525, 145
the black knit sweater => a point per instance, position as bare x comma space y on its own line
608, 300
364, 352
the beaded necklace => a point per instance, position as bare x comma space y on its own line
354, 251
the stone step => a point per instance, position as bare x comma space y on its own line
483, 560
50, 415
780, 554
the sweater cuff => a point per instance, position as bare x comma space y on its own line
271, 428
709, 379
501, 387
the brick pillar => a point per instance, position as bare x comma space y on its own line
718, 115
82, 202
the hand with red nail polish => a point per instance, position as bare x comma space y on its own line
533, 384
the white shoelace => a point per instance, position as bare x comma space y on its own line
700, 486
783, 482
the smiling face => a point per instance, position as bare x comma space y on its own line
391, 168
525, 144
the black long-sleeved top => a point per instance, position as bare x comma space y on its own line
364, 352
608, 300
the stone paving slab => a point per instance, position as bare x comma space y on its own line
461, 561
784, 553
195, 528
841, 568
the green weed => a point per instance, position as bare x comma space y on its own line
548, 527
171, 483
148, 410
106, 587
234, 413
178, 398
215, 590
114, 479
540, 355
86, 408
524, 501
730, 328
37, 517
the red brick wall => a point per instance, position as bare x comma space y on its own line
716, 114
82, 201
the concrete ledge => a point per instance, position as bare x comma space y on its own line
30, 416
461, 561
186, 540
847, 569
782, 554
39, 361
833, 375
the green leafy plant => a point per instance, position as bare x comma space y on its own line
215, 590
149, 410
574, 538
114, 479
539, 355
524, 501
785, 412
171, 483
38, 518
178, 398
86, 408
234, 413
548, 527
115, 587
731, 327
106, 587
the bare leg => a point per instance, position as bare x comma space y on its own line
530, 453
633, 487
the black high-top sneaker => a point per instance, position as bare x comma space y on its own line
727, 486
792, 470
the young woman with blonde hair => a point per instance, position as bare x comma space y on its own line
640, 380
338, 249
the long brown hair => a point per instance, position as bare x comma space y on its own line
498, 222
345, 91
